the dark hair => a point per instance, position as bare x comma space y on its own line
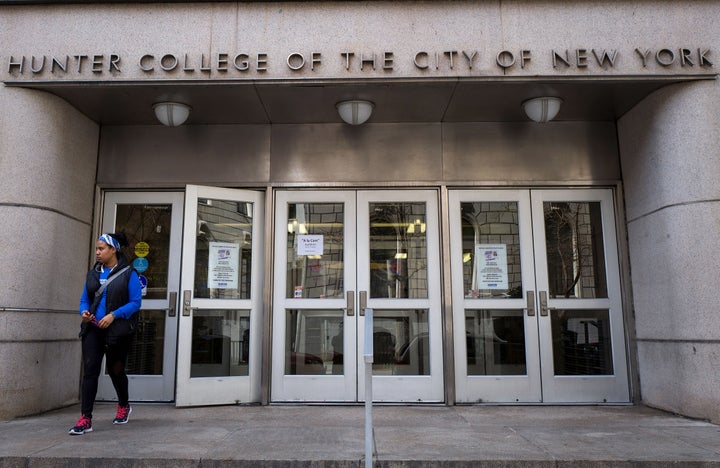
120, 237
122, 240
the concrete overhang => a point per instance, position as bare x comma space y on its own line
397, 100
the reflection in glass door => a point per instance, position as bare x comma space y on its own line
579, 299
152, 223
336, 254
536, 294
220, 321
399, 278
496, 341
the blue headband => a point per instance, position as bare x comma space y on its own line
110, 240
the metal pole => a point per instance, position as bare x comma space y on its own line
368, 356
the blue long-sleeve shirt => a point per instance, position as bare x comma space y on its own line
125, 311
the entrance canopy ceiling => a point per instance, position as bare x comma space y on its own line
222, 102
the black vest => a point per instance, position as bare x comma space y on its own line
116, 294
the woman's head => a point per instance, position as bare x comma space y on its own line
108, 247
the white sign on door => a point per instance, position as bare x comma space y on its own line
491, 261
310, 244
223, 265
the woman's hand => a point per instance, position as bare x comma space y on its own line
106, 321
87, 316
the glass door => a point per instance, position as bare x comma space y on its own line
399, 273
582, 338
336, 254
219, 347
314, 357
537, 307
494, 318
152, 222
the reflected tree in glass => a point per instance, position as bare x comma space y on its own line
575, 250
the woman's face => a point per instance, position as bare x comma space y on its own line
104, 253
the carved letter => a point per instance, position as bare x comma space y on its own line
97, 63
565, 61
203, 67
370, 60
261, 62
525, 56
114, 63
388, 60
643, 56
80, 59
186, 64
470, 58
347, 56
315, 59
297, 59
168, 62
685, 57
60, 65
665, 52
144, 67
702, 58
244, 64
18, 65
35, 69
424, 55
505, 59
605, 57
222, 60
581, 56
451, 54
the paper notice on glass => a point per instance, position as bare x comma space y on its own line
223, 265
310, 244
491, 261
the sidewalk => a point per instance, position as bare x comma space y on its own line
333, 436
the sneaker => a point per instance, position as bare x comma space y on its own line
83, 425
123, 413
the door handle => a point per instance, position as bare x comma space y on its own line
530, 303
544, 304
172, 310
187, 296
363, 302
350, 303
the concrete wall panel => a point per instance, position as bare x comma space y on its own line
681, 377
340, 153
675, 272
47, 165
156, 156
518, 152
48, 153
670, 148
669, 157
367, 28
48, 255
45, 375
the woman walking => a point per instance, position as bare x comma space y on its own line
108, 308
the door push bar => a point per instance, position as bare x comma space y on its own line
544, 304
530, 303
172, 310
363, 302
187, 296
350, 303
530, 307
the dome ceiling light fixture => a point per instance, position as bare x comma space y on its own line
355, 112
542, 109
171, 114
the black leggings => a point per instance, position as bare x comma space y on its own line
93, 350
